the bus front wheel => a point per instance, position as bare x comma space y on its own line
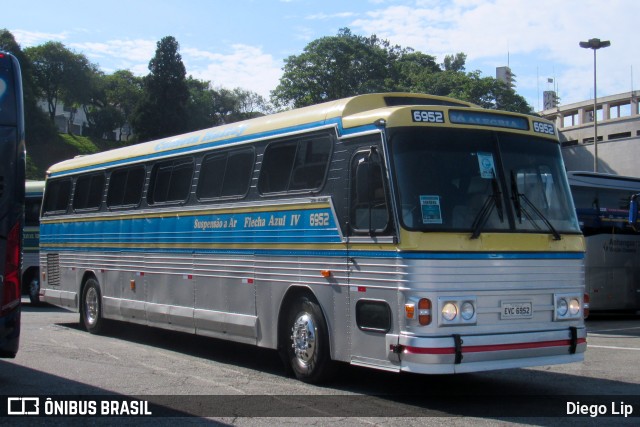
306, 341
91, 307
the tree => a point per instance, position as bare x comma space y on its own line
119, 94
454, 62
163, 109
61, 75
345, 65
38, 129
336, 67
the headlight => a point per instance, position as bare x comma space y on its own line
574, 306
562, 307
457, 310
567, 306
449, 312
467, 310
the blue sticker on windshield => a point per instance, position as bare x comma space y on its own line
430, 206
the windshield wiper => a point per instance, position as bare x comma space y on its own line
516, 197
494, 200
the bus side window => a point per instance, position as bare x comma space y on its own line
226, 174
125, 187
369, 210
295, 165
57, 196
88, 192
170, 181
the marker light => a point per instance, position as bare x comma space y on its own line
585, 305
424, 311
409, 310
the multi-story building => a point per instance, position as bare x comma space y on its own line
618, 120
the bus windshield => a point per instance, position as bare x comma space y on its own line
474, 180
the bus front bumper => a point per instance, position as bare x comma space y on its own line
472, 353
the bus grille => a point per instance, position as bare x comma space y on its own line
53, 269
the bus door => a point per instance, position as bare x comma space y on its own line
373, 291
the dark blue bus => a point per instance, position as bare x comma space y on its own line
12, 179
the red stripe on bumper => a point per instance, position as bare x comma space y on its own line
496, 347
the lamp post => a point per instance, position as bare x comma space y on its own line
595, 44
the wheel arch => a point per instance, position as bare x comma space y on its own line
294, 292
89, 274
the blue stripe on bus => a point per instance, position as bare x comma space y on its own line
314, 225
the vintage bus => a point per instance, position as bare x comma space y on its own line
12, 176
612, 260
31, 241
397, 231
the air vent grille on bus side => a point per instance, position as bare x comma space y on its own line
396, 101
53, 269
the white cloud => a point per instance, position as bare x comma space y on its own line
540, 37
115, 55
247, 67
33, 38
327, 16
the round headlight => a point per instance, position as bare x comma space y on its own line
561, 307
574, 306
467, 310
449, 311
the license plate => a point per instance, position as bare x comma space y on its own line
516, 310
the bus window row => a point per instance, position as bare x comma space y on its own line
288, 166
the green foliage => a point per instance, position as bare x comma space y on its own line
345, 65
60, 75
81, 144
163, 109
39, 129
336, 67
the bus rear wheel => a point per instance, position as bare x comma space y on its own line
91, 307
306, 341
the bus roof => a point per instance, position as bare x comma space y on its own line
348, 113
603, 180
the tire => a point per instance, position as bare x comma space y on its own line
91, 307
34, 291
306, 342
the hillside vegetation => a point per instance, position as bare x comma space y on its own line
41, 156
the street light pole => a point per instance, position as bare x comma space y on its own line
595, 44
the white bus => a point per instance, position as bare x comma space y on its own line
31, 241
403, 232
612, 259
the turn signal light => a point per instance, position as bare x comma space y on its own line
424, 311
585, 305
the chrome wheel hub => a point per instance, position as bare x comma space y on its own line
304, 338
91, 304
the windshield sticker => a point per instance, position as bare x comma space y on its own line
430, 206
487, 169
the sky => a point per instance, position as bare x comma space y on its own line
243, 43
